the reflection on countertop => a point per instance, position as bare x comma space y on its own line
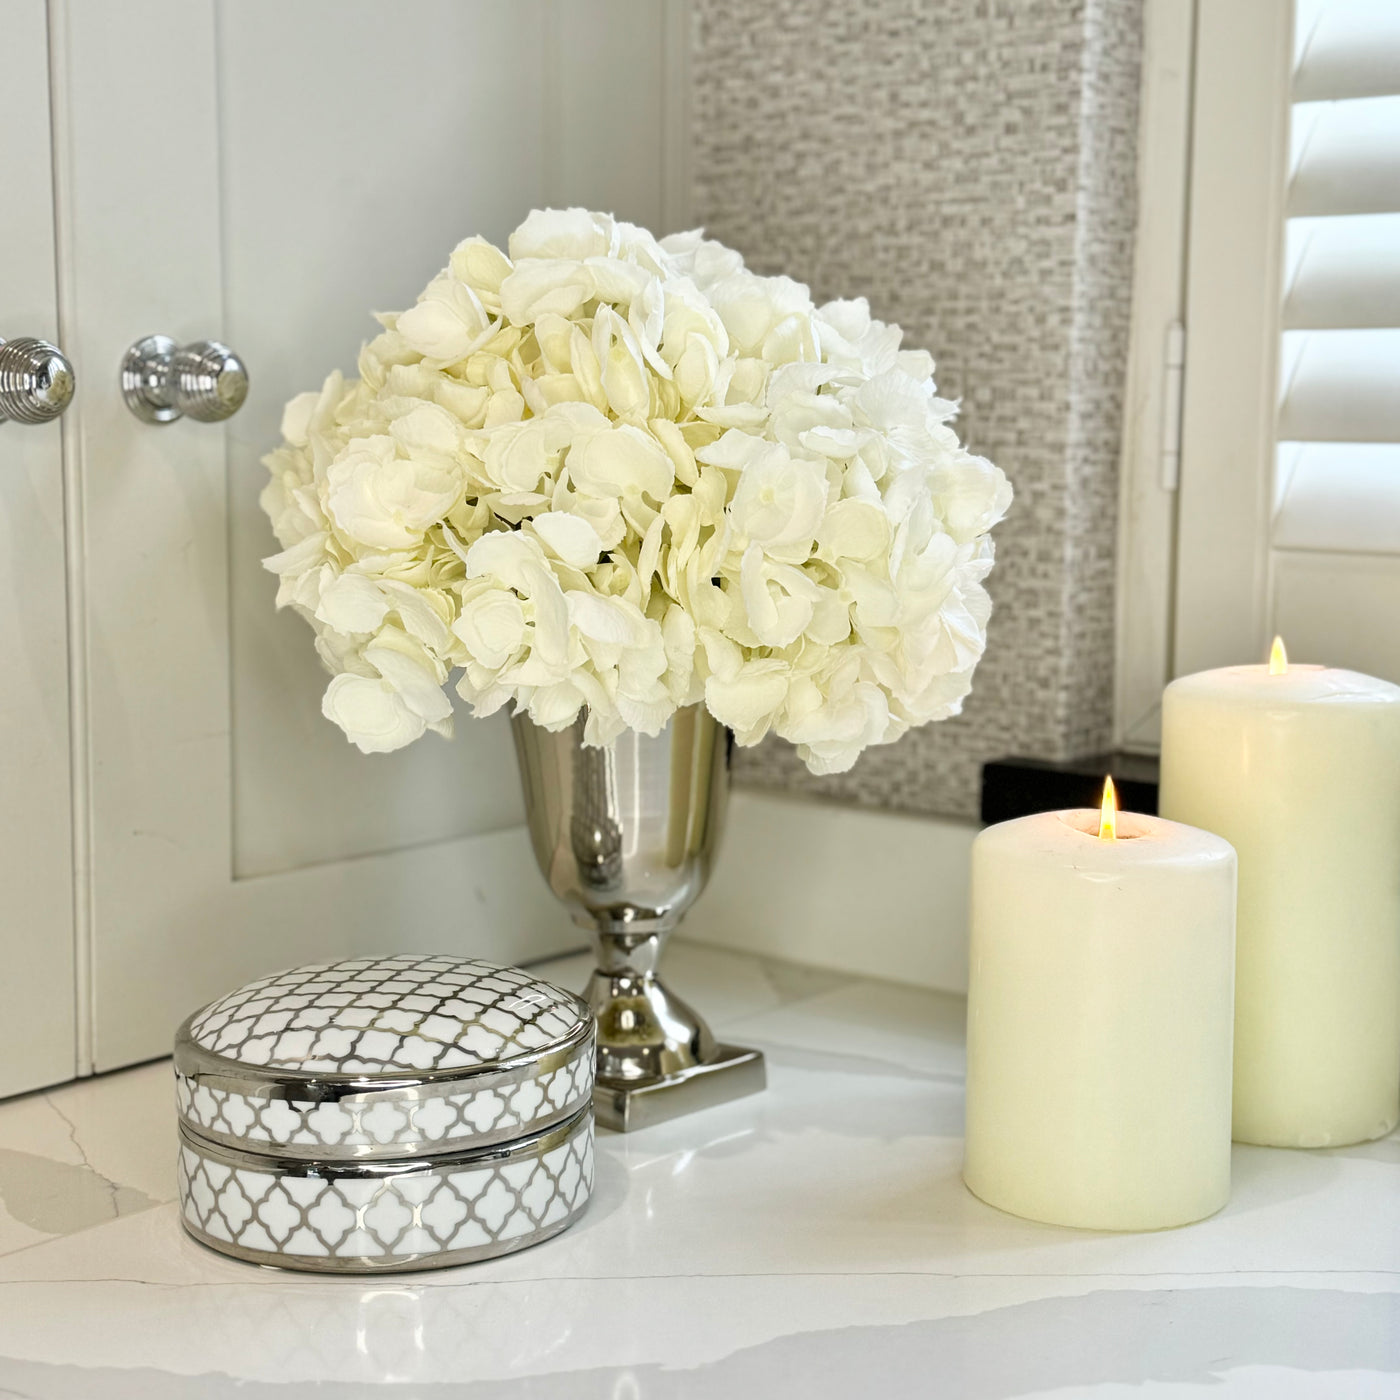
814, 1240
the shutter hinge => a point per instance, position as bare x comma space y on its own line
1173, 371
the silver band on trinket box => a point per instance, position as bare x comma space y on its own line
341, 1117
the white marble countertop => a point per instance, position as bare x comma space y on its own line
815, 1240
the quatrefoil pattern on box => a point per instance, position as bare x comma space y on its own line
442, 1213
382, 1015
432, 1117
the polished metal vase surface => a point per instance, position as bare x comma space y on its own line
626, 836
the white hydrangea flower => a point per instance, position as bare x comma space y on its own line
597, 473
382, 500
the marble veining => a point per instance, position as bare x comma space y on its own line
56, 1198
813, 1240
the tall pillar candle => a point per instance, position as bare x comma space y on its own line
1099, 1016
1299, 768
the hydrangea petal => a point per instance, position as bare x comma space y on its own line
569, 537
373, 715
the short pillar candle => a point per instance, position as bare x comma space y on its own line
1100, 1005
1299, 768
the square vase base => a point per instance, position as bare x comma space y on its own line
734, 1073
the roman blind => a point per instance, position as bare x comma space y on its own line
1336, 522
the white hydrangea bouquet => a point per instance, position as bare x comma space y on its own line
612, 474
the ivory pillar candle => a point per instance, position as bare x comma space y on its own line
1299, 768
1099, 1018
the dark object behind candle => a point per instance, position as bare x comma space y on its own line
1017, 787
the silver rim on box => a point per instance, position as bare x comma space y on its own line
385, 1216
253, 1089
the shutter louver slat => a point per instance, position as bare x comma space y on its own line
1346, 157
1340, 496
1342, 273
1340, 609
1349, 48
1340, 386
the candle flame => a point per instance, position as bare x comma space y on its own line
1108, 812
1278, 658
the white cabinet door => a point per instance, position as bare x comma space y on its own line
36, 887
267, 174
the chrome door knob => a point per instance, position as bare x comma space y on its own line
36, 380
162, 381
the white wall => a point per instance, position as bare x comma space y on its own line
875, 893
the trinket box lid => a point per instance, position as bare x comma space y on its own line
384, 1057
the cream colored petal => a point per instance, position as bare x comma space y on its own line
853, 529
352, 603
570, 537
492, 627
414, 683
555, 706
480, 264
607, 619
373, 715
750, 702
622, 461
293, 562
562, 233
557, 286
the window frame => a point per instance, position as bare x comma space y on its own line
1194, 555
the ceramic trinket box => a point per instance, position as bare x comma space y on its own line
385, 1114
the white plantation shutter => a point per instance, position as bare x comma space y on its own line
1335, 539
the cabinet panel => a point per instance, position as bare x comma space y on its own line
37, 1020
355, 152
325, 159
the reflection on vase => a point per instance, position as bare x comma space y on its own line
626, 836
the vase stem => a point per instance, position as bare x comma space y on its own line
626, 835
622, 952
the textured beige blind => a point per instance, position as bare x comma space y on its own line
1338, 477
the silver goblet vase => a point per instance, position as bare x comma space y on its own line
626, 836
